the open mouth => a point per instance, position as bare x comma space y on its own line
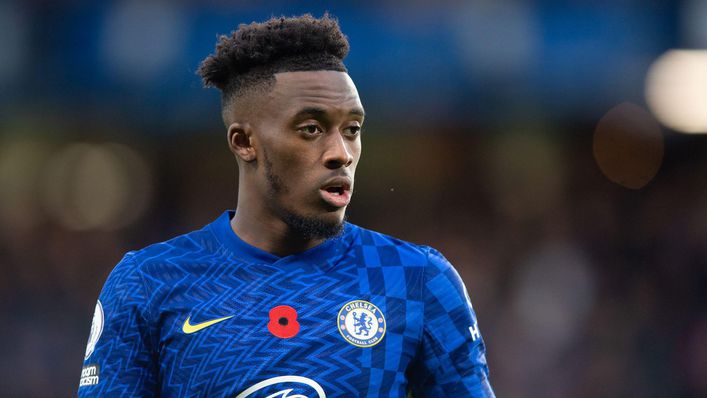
337, 192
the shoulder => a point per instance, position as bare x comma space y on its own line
191, 243
388, 247
378, 249
159, 258
140, 272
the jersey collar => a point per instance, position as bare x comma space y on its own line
325, 254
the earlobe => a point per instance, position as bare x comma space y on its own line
240, 141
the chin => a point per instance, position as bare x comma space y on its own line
336, 215
321, 226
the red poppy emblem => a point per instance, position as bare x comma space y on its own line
283, 322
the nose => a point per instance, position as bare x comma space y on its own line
338, 153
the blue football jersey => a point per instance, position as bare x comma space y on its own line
208, 315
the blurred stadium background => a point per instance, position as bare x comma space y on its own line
547, 148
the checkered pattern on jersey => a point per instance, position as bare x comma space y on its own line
391, 275
453, 359
420, 283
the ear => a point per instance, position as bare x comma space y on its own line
240, 141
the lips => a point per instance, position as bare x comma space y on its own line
336, 191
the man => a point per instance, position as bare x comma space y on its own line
283, 298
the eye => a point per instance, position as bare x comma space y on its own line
310, 129
353, 130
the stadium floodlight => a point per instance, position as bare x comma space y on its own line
676, 90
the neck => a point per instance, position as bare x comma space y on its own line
256, 225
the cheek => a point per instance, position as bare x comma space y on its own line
356, 151
292, 165
295, 171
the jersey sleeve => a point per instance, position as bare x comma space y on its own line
451, 361
120, 359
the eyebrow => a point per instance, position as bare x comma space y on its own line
357, 112
320, 112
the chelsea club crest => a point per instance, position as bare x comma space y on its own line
361, 323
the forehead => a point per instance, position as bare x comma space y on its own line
331, 90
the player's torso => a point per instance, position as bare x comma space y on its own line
238, 330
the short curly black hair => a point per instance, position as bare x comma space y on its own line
254, 53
